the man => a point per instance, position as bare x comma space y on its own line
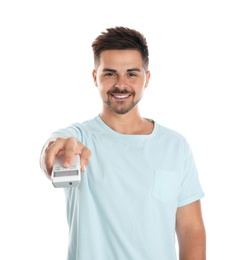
139, 181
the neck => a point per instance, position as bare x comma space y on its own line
130, 123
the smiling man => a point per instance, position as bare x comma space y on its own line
121, 77
139, 180
125, 72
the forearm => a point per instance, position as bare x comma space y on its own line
192, 245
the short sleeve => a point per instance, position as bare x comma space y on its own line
191, 189
74, 130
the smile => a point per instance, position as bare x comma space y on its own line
121, 96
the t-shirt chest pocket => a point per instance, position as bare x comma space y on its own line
166, 186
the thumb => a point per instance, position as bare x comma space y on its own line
85, 158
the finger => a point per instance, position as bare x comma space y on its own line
71, 148
52, 151
85, 157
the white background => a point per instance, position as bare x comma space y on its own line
45, 79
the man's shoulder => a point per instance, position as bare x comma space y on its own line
169, 130
169, 133
84, 124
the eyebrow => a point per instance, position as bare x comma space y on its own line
128, 70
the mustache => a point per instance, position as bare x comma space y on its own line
118, 91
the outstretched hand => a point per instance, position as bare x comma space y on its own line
68, 147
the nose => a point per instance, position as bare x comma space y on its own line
121, 83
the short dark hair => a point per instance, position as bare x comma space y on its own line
121, 38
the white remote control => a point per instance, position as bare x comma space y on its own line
66, 177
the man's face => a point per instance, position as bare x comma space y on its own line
121, 79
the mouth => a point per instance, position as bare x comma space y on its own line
121, 96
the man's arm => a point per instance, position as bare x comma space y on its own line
191, 232
67, 147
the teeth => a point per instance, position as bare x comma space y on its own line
121, 96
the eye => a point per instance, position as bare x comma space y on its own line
109, 74
132, 75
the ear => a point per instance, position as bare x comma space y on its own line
94, 77
148, 75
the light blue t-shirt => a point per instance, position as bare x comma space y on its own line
126, 204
